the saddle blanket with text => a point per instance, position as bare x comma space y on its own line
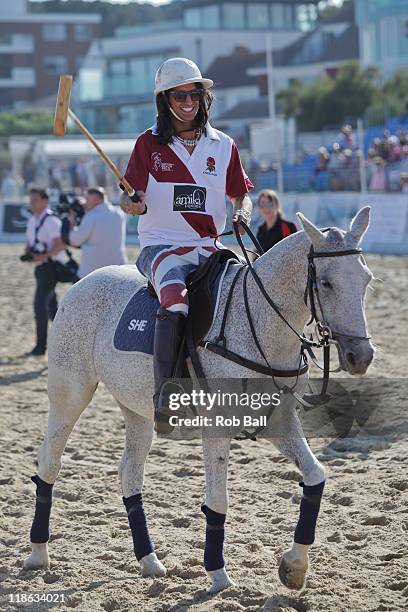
134, 331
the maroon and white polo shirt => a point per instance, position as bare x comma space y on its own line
185, 194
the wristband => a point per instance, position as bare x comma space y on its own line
242, 212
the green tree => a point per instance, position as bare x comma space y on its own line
395, 93
329, 100
14, 124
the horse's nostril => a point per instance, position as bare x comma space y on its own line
351, 358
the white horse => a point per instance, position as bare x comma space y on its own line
81, 355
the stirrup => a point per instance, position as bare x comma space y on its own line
162, 410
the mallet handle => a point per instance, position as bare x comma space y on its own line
128, 188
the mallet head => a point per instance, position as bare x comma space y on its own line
62, 105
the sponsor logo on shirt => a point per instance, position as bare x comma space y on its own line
210, 167
189, 198
159, 165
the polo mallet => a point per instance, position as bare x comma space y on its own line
62, 112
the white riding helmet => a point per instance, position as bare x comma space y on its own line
178, 71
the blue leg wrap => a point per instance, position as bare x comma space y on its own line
309, 510
40, 529
214, 539
142, 543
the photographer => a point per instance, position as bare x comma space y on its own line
101, 234
44, 248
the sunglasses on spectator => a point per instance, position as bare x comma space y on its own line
181, 96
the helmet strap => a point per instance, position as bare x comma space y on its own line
176, 116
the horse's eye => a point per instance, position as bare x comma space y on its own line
326, 283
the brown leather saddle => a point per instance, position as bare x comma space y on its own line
200, 285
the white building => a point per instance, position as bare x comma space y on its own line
116, 81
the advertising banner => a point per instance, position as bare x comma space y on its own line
15, 217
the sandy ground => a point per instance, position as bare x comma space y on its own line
359, 561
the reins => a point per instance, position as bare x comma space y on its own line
325, 336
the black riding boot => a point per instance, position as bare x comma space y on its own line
168, 336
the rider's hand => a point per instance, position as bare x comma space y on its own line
133, 208
240, 228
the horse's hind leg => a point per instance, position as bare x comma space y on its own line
216, 453
139, 435
68, 399
292, 443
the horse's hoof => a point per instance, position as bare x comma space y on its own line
38, 559
220, 581
292, 573
151, 566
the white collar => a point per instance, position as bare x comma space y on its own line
46, 211
211, 132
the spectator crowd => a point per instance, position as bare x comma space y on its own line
386, 164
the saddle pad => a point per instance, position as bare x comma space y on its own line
134, 331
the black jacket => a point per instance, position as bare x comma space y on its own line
269, 237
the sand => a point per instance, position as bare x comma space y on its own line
358, 563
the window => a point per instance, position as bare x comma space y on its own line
403, 37
305, 16
288, 19
234, 16
370, 37
138, 79
5, 39
54, 31
192, 18
55, 64
210, 18
277, 15
5, 67
82, 32
152, 64
90, 84
135, 118
258, 17
118, 67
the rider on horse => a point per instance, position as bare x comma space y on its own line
181, 169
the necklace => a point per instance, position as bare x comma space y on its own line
190, 142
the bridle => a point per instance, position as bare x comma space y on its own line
312, 291
325, 336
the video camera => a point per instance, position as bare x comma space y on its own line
70, 201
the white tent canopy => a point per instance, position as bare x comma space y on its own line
79, 146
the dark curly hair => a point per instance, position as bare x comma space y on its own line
165, 129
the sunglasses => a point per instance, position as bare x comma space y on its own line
181, 96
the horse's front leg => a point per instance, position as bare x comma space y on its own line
139, 435
216, 453
292, 443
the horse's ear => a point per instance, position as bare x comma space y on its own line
316, 237
359, 225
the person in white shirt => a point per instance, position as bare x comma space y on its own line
44, 246
101, 233
182, 169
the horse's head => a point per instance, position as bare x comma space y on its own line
341, 284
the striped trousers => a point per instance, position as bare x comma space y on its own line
167, 268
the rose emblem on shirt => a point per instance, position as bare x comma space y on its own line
210, 164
